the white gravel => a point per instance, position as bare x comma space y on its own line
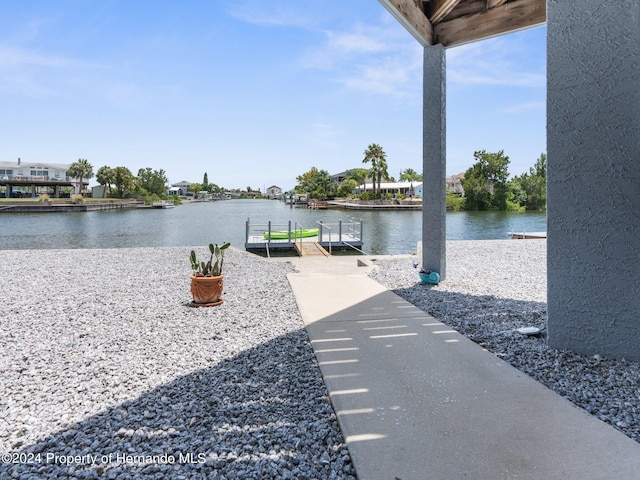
105, 372
494, 288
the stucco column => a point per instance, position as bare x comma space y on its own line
593, 176
434, 161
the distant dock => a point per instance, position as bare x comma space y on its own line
56, 207
528, 235
375, 205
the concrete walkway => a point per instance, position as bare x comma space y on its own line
416, 400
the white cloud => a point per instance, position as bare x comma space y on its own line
378, 57
370, 59
270, 13
392, 77
323, 134
354, 42
32, 73
496, 61
524, 107
12, 58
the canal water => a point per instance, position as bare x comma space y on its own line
194, 224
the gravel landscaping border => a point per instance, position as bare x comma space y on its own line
106, 372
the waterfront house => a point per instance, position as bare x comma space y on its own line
179, 188
408, 189
454, 184
19, 179
274, 192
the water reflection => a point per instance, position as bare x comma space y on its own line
385, 232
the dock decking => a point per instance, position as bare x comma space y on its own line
338, 236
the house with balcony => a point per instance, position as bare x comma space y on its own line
454, 184
29, 179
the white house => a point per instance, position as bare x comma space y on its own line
31, 179
454, 184
405, 188
274, 192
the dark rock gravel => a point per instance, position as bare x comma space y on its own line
106, 372
492, 289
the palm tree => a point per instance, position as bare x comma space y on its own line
106, 177
381, 171
81, 169
410, 175
375, 154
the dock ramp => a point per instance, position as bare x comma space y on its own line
311, 249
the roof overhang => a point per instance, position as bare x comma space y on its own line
455, 22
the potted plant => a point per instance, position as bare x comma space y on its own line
206, 279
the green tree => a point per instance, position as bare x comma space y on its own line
306, 181
359, 175
124, 181
411, 176
485, 183
81, 169
375, 155
381, 172
316, 183
106, 177
324, 185
346, 187
213, 188
205, 182
153, 181
530, 189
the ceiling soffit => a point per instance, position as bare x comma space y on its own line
455, 22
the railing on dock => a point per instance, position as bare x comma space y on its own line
341, 234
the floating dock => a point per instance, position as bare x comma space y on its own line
331, 236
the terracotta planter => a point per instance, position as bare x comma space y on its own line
206, 291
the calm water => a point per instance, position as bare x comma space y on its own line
385, 232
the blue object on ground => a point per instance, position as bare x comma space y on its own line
430, 278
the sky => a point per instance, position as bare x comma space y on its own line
252, 92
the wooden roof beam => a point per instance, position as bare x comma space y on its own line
440, 9
509, 17
411, 16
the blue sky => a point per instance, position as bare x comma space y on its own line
252, 92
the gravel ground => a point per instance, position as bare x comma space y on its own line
495, 287
106, 372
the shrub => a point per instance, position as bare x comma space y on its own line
149, 199
366, 196
455, 202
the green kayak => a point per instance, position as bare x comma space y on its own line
284, 234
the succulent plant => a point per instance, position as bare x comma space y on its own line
211, 268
